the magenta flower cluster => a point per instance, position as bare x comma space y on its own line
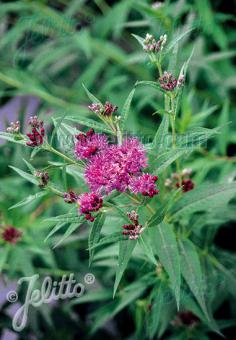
112, 167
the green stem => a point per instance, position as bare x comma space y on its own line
58, 153
55, 191
158, 64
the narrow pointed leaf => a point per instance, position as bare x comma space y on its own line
192, 272
125, 251
95, 235
166, 247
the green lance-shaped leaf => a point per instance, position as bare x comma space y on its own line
25, 175
66, 218
29, 166
167, 250
176, 39
28, 199
91, 96
57, 227
139, 39
145, 243
205, 197
89, 123
12, 138
158, 302
95, 235
162, 161
126, 108
126, 248
114, 237
192, 272
160, 136
123, 299
69, 231
151, 83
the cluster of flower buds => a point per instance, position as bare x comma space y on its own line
70, 197
135, 229
151, 45
167, 81
181, 180
89, 144
44, 178
37, 132
105, 110
11, 235
89, 202
14, 127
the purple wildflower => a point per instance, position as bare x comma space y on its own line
114, 168
144, 184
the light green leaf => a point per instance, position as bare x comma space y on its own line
161, 134
89, 122
67, 218
28, 199
25, 175
139, 39
154, 84
91, 96
126, 108
12, 138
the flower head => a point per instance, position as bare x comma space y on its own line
37, 133
168, 82
89, 144
11, 235
144, 184
115, 166
89, 202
